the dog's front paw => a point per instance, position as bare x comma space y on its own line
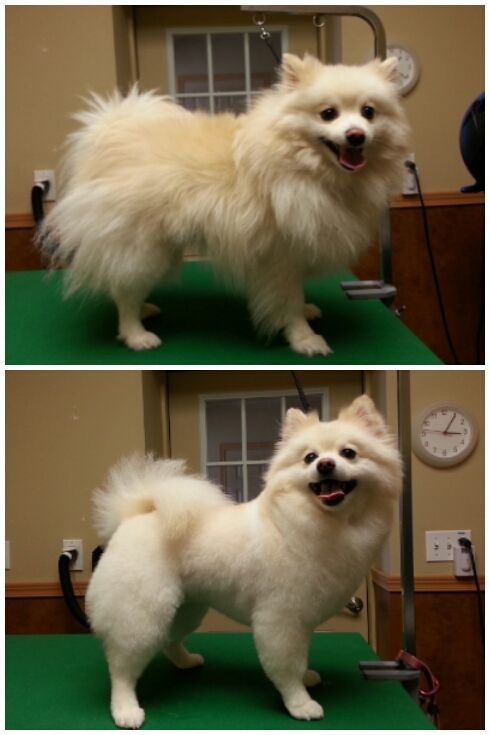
311, 311
306, 710
312, 678
142, 340
311, 344
128, 716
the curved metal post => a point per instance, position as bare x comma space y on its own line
359, 11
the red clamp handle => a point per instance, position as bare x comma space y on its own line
415, 663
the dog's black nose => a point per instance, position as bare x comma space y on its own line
325, 467
355, 137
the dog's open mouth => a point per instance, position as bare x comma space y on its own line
332, 492
349, 157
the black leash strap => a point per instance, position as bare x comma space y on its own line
301, 394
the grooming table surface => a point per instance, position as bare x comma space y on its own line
202, 323
60, 682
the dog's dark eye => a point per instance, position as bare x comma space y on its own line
311, 457
368, 112
329, 114
348, 453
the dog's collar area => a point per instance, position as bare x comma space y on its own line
332, 492
351, 158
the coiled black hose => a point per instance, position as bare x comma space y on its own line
38, 192
66, 558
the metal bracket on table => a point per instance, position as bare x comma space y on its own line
357, 290
392, 671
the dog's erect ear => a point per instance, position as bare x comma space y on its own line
296, 420
295, 70
364, 412
388, 69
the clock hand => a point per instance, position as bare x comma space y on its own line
449, 424
439, 431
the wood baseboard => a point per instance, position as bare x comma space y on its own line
41, 589
392, 583
431, 199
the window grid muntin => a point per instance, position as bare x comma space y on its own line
242, 397
248, 93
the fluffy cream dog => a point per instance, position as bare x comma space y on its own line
282, 563
292, 189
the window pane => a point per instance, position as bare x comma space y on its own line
228, 62
255, 474
262, 63
228, 103
194, 103
263, 422
230, 479
191, 63
224, 430
315, 401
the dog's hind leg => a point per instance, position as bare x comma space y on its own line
186, 620
125, 667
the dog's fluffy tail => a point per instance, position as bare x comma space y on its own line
142, 484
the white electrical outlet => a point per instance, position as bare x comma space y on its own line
462, 561
7, 555
75, 543
46, 175
440, 545
409, 186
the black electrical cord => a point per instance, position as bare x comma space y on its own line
411, 165
66, 558
469, 547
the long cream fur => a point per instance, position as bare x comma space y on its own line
260, 193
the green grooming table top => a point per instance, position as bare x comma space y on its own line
59, 682
202, 323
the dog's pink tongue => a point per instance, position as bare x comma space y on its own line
333, 495
352, 158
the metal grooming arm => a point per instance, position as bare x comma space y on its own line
396, 670
380, 289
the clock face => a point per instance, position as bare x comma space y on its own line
444, 435
408, 67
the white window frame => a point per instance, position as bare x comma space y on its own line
242, 397
208, 32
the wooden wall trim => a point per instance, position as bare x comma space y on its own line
438, 199
18, 221
431, 199
41, 589
426, 584
386, 582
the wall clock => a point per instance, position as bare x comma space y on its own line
408, 67
444, 434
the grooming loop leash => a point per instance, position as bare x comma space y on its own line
265, 35
427, 696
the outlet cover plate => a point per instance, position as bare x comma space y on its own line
439, 545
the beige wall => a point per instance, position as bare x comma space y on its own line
57, 53
443, 499
65, 428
